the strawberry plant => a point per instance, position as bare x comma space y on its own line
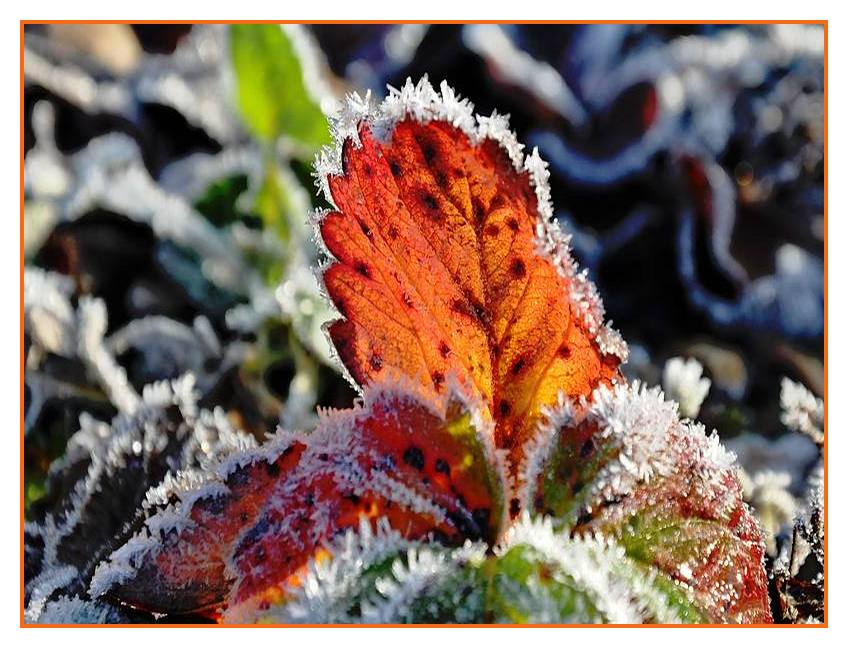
498, 467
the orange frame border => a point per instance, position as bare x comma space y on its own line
823, 23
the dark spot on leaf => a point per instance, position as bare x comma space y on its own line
346, 156
504, 408
429, 153
512, 224
376, 361
517, 366
441, 537
323, 456
253, 536
498, 202
586, 448
393, 233
395, 168
443, 467
472, 308
272, 469
518, 269
514, 507
366, 230
465, 525
353, 498
480, 313
461, 306
564, 351
444, 349
428, 199
363, 269
492, 230
414, 457
438, 378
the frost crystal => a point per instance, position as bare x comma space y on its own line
111, 376
768, 492
74, 610
48, 315
802, 411
683, 382
639, 420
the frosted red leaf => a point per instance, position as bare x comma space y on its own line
424, 464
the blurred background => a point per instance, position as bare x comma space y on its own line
168, 185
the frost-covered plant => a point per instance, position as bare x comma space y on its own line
798, 573
802, 411
498, 467
149, 259
768, 492
101, 484
683, 382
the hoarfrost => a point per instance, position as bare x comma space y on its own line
683, 382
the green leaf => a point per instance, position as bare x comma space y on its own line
219, 203
281, 207
272, 204
272, 95
538, 575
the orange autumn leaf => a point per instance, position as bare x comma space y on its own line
446, 262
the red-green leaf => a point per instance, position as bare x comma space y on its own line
625, 467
